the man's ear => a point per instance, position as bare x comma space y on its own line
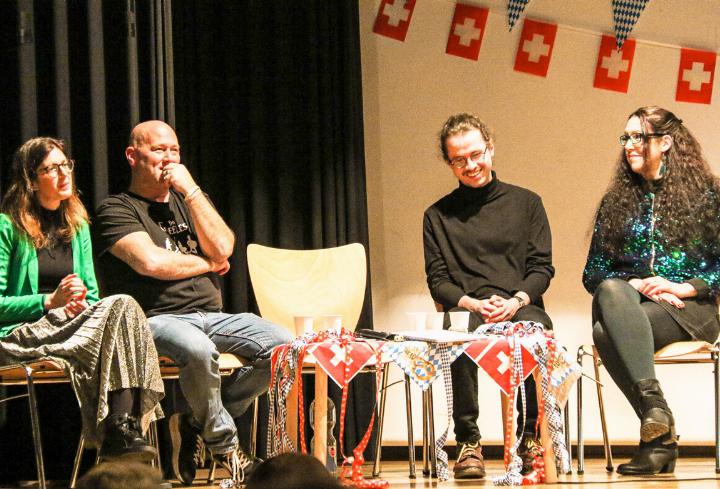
130, 156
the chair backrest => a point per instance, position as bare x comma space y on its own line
289, 283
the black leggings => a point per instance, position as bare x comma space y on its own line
628, 328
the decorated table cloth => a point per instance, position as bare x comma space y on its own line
507, 352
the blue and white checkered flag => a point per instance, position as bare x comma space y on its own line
515, 8
626, 14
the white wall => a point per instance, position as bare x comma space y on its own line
554, 135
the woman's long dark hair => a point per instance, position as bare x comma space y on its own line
689, 189
22, 205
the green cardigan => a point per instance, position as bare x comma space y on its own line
19, 298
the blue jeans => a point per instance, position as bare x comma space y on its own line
194, 341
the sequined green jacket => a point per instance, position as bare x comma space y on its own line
646, 253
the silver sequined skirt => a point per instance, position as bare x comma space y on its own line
107, 347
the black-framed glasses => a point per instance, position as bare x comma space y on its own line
53, 169
461, 162
639, 137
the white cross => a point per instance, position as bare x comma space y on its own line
536, 48
615, 64
339, 355
396, 12
697, 76
504, 362
467, 32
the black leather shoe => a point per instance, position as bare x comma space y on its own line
652, 458
187, 448
655, 415
123, 440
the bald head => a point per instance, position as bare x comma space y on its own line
143, 132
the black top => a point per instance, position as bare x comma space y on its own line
170, 227
55, 261
489, 240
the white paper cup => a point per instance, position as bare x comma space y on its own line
417, 320
303, 324
434, 320
332, 322
459, 320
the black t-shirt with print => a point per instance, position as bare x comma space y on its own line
170, 227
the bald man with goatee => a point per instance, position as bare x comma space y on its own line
163, 242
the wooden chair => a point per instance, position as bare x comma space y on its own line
682, 352
289, 283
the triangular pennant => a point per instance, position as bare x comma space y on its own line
515, 8
626, 14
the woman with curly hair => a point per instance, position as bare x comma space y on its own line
50, 305
654, 269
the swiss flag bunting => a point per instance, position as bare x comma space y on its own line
535, 47
466, 31
695, 76
614, 65
393, 18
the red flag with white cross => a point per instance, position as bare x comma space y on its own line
466, 31
614, 65
535, 47
393, 18
341, 361
494, 355
695, 76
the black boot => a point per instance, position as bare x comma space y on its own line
657, 456
655, 416
123, 439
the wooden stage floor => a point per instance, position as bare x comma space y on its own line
690, 473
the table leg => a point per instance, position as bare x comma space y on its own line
291, 422
549, 456
508, 436
319, 448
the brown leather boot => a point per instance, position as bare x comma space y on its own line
470, 464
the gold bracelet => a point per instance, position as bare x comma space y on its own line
191, 193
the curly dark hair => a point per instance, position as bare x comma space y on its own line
688, 189
462, 123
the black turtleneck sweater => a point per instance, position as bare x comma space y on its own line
489, 240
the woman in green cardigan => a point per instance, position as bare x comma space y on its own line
50, 306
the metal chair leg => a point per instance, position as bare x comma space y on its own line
431, 433
411, 435
716, 362
35, 426
425, 434
76, 464
580, 439
566, 421
601, 404
254, 429
381, 420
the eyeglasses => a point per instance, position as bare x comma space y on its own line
461, 162
54, 168
638, 137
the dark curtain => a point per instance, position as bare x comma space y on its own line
269, 116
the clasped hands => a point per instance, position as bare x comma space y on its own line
493, 310
662, 289
70, 295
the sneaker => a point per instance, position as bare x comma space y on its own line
187, 448
529, 450
470, 464
238, 464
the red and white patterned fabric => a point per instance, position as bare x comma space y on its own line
696, 75
393, 18
332, 356
466, 31
535, 47
614, 65
493, 354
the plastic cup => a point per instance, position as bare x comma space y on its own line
417, 320
332, 322
459, 320
303, 324
434, 320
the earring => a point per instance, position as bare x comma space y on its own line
663, 165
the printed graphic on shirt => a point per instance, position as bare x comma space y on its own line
180, 238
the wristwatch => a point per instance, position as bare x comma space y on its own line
522, 301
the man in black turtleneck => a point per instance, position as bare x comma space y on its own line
487, 250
